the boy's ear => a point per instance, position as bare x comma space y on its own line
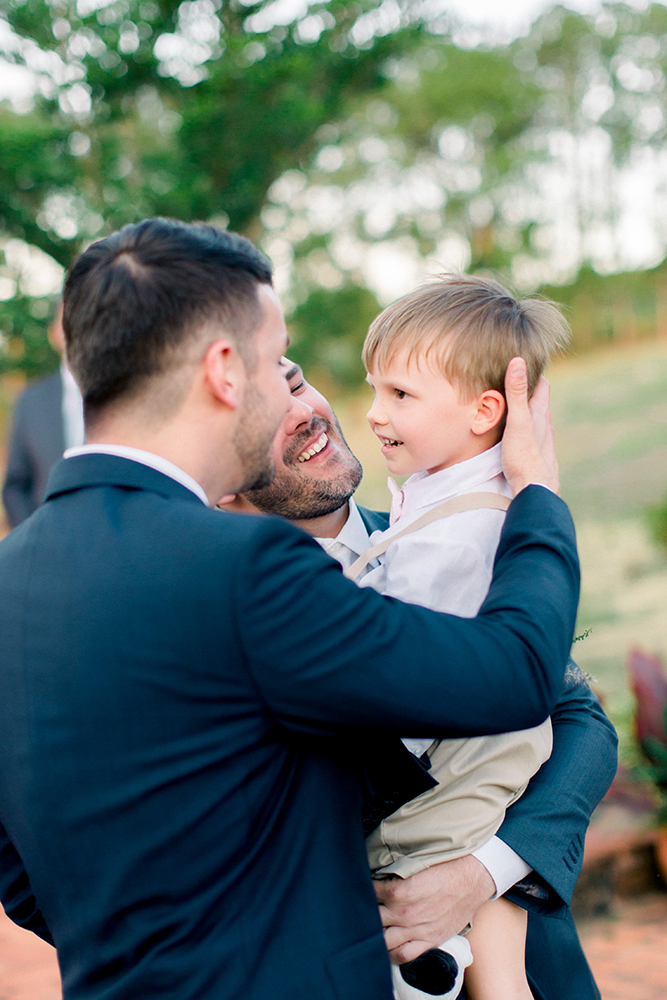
489, 411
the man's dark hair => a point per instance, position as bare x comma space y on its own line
134, 298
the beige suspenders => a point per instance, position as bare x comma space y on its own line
468, 501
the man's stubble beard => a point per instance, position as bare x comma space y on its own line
253, 440
299, 497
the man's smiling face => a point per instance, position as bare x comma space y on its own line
316, 473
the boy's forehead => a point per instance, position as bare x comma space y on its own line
423, 355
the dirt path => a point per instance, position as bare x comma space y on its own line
628, 954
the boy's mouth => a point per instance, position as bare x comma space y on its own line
389, 442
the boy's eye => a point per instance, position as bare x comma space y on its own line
400, 393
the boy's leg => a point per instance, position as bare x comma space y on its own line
498, 942
478, 778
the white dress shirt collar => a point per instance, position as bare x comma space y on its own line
72, 409
354, 533
421, 489
144, 458
350, 541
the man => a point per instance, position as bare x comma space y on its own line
187, 696
48, 418
316, 475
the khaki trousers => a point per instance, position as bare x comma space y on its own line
478, 778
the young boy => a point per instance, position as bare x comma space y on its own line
436, 360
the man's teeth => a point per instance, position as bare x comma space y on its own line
315, 448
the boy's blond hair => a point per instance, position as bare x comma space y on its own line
469, 329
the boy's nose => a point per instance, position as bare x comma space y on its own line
375, 414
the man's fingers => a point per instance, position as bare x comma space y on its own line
528, 449
400, 916
540, 398
516, 382
404, 945
409, 951
397, 893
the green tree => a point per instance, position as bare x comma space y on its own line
326, 136
189, 109
328, 329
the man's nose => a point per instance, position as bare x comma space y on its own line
300, 413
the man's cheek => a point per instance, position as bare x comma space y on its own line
278, 446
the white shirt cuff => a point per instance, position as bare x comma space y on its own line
502, 863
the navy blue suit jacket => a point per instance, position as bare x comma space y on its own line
185, 699
36, 443
547, 827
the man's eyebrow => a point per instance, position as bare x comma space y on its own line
292, 371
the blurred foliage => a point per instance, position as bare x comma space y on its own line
613, 308
349, 125
649, 723
24, 324
186, 109
504, 159
656, 518
327, 332
174, 108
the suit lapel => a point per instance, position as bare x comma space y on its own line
374, 520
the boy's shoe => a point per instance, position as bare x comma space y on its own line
436, 973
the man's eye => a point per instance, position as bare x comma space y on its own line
297, 387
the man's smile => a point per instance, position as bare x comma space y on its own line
314, 449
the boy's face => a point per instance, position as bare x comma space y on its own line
420, 418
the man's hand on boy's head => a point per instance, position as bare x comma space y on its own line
529, 454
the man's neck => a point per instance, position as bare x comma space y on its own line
182, 447
327, 526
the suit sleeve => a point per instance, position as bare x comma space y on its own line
327, 656
17, 492
547, 825
17, 897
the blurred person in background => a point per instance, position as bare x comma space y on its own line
48, 418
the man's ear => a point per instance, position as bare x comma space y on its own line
224, 373
489, 411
